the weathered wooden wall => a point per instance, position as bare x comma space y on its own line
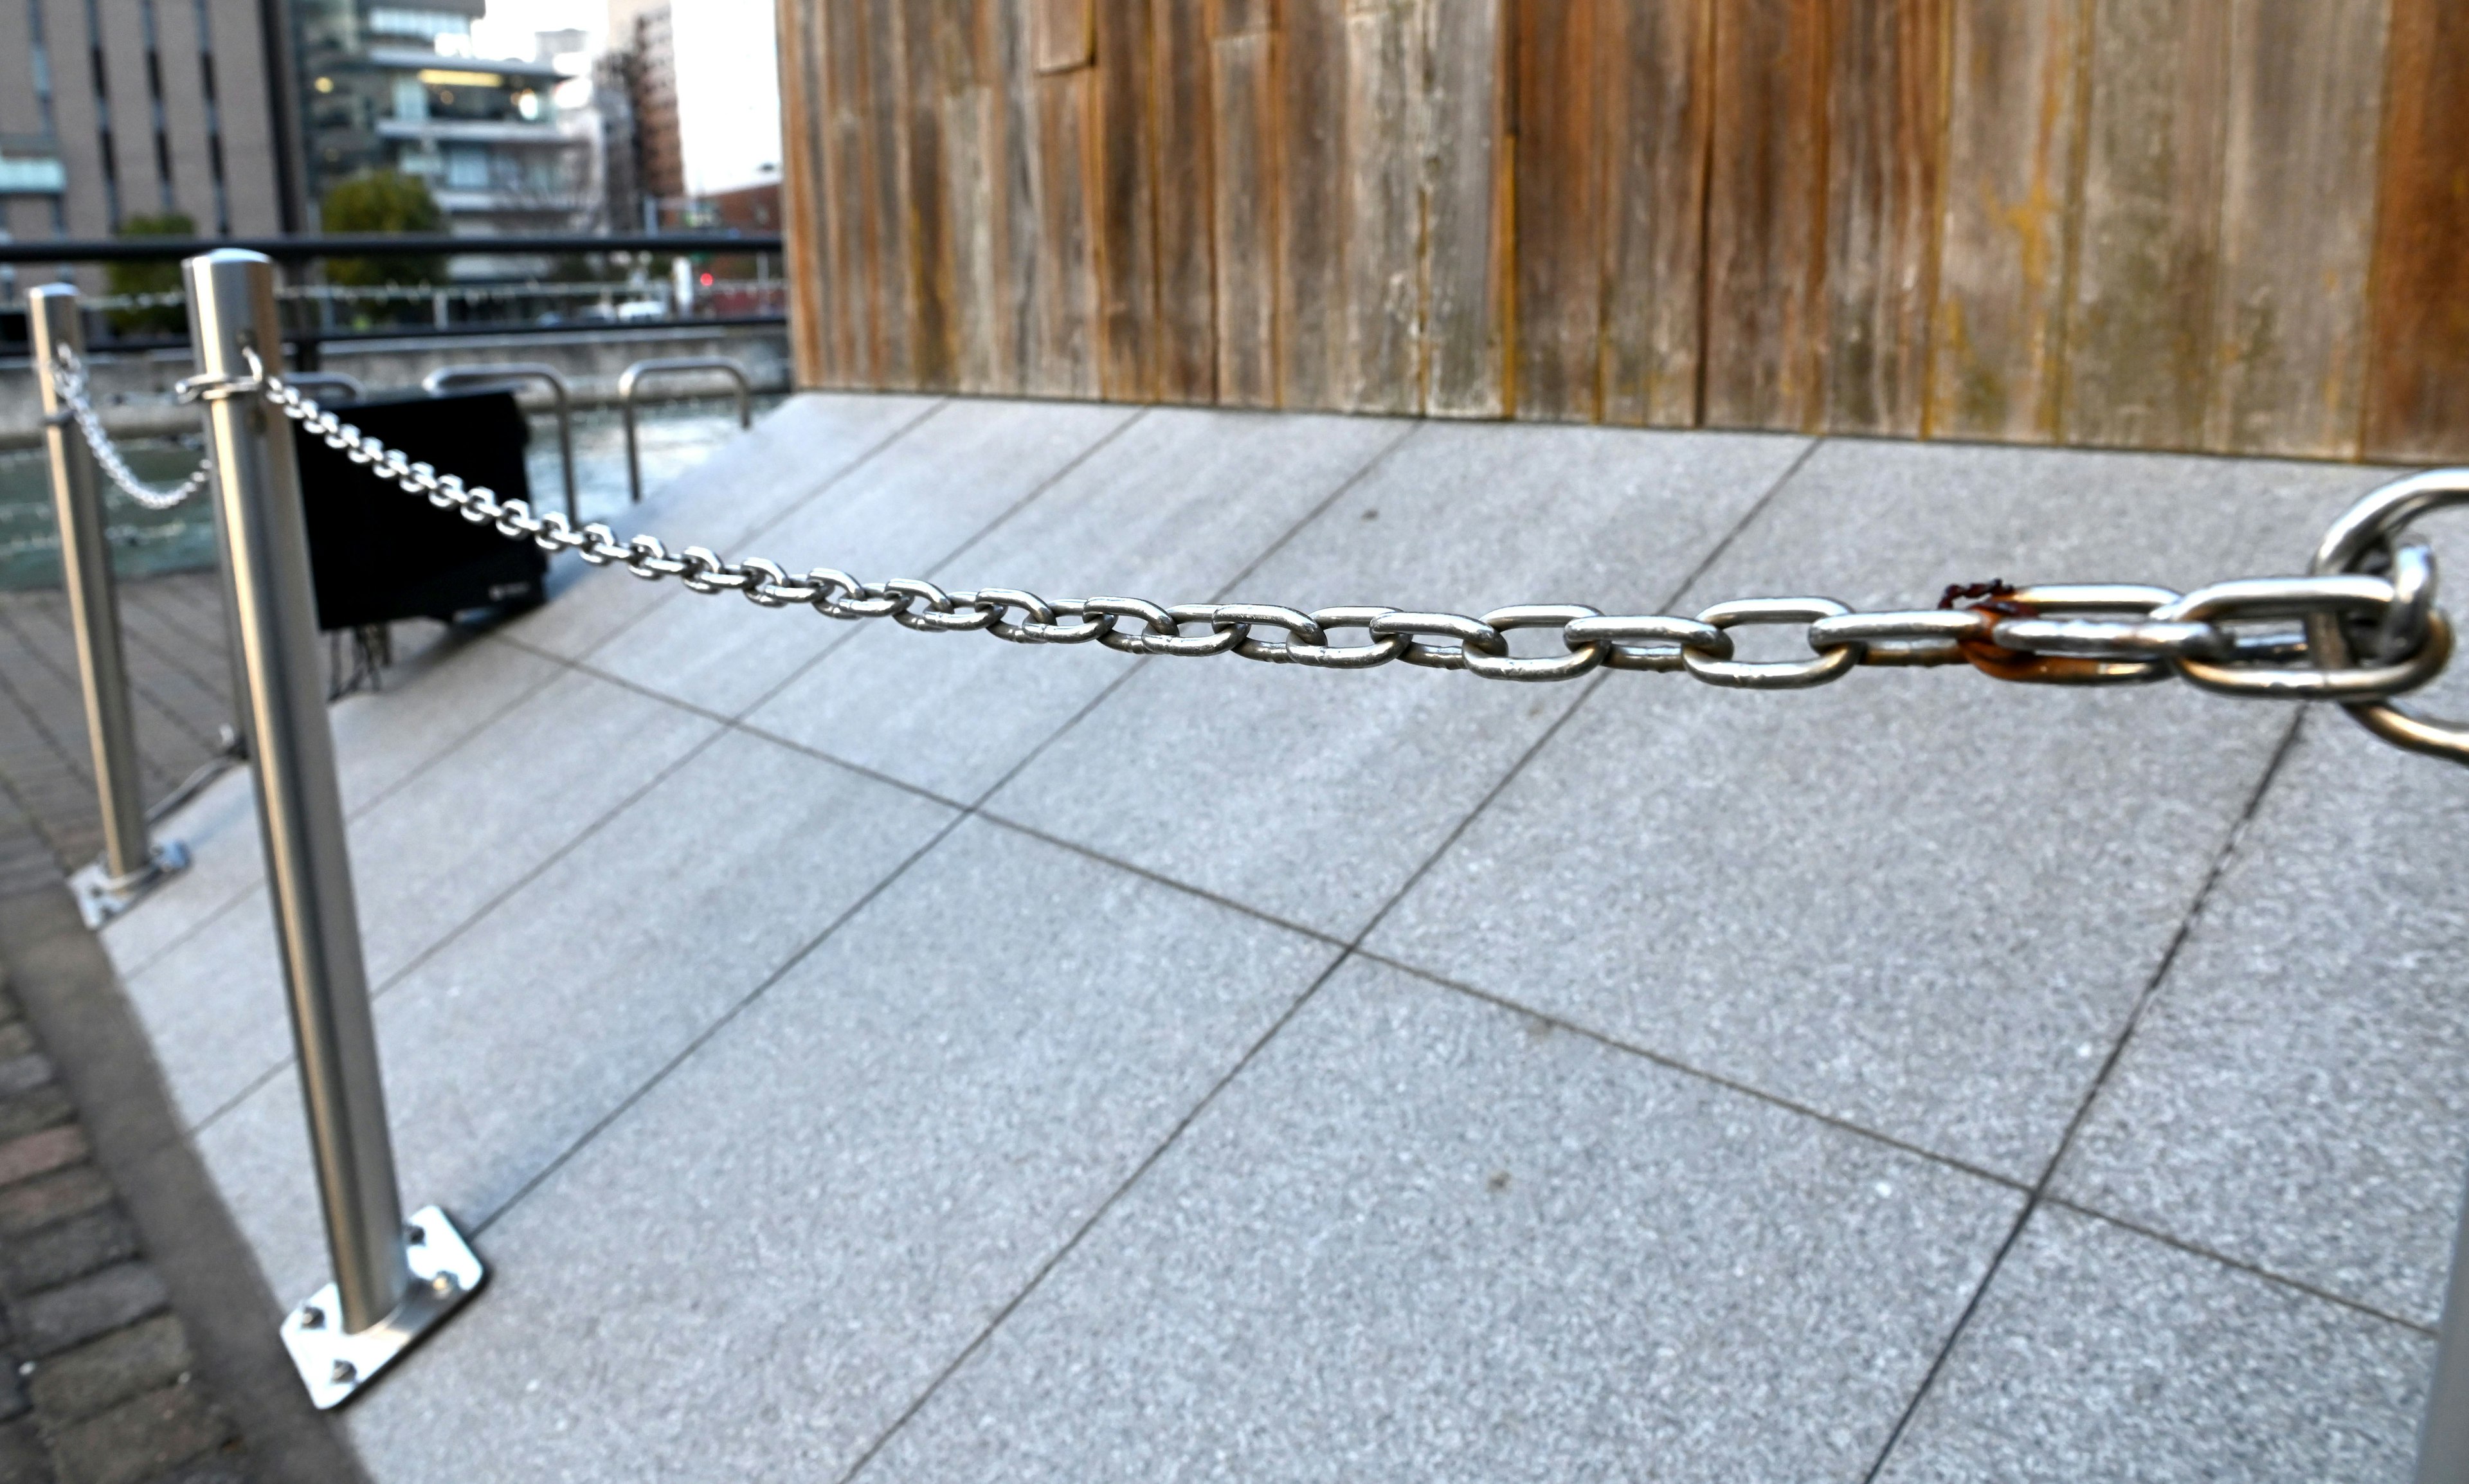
2224, 224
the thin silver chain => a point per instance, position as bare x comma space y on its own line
68, 376
2234, 636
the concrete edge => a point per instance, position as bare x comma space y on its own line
69, 990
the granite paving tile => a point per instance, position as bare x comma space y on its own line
2099, 1354
901, 513
510, 1045
1170, 510
1423, 1237
2297, 1096
382, 737
750, 1273
423, 861
1920, 901
791, 455
1313, 794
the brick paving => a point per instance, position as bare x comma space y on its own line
97, 1382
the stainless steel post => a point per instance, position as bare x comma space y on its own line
2443, 1444
388, 1284
129, 865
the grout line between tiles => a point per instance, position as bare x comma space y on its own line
1353, 946
867, 456
2039, 1190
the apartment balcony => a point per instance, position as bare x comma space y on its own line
514, 131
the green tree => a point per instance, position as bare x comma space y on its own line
155, 276
383, 200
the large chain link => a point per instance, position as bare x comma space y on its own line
2244, 638
68, 377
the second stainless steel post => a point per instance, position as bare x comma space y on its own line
86, 572
300, 814
2443, 1441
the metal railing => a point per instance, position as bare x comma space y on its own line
2370, 630
444, 377
305, 340
633, 377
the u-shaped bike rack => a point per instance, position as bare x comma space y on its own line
444, 377
633, 377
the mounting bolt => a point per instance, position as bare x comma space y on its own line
311, 1317
344, 1373
444, 1284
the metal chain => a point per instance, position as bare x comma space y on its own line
2234, 638
68, 377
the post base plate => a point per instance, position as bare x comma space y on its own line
335, 1367
101, 897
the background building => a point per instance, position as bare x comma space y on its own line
115, 110
646, 176
396, 87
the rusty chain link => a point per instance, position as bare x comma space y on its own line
2360, 630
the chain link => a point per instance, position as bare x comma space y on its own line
2234, 638
68, 378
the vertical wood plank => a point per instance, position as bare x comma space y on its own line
2139, 346
2014, 123
1469, 190
1382, 234
1244, 177
1124, 205
1182, 136
805, 201
2305, 106
927, 190
890, 222
1312, 59
1658, 59
971, 168
1067, 320
2418, 396
1021, 265
850, 339
1765, 215
1885, 140
1559, 210
1065, 33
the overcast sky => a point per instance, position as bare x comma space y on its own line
729, 91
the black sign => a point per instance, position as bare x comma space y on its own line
379, 554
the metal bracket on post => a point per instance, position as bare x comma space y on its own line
129, 868
393, 1281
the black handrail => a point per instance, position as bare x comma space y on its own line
374, 244
466, 329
